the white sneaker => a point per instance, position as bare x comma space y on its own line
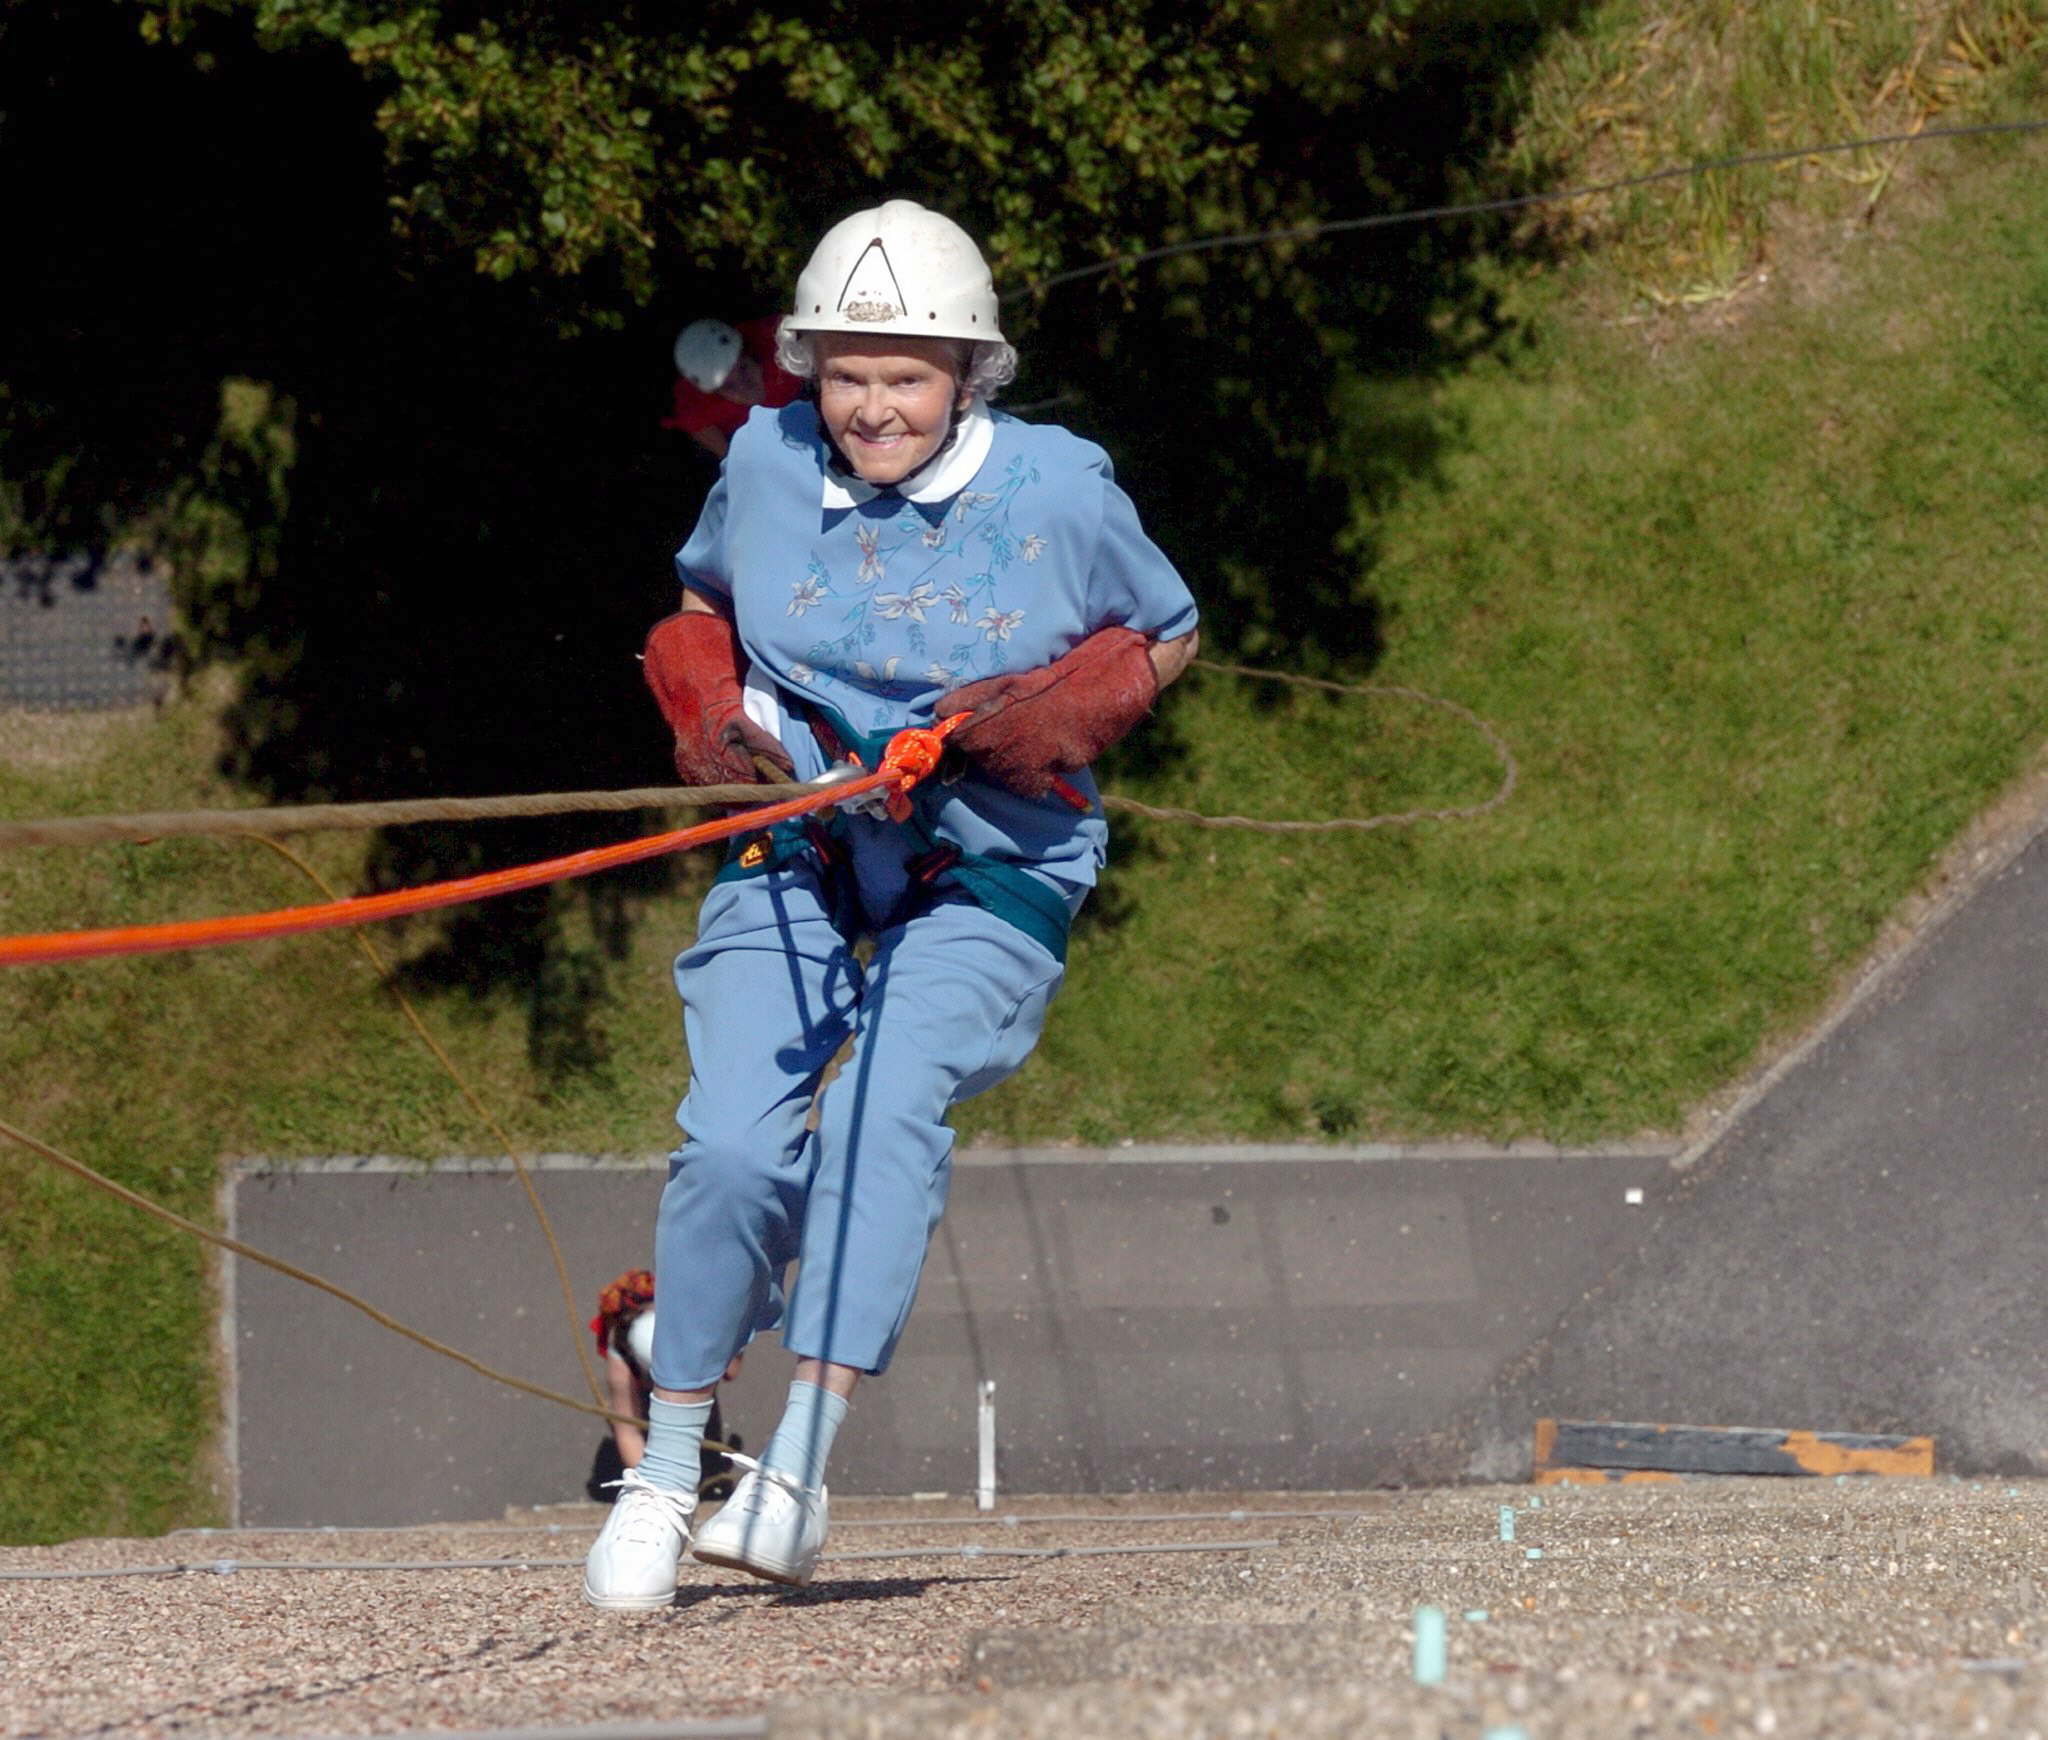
632, 1563
771, 1526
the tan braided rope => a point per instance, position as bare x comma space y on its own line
315, 818
318, 818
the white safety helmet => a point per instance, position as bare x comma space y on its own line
705, 353
897, 268
639, 1346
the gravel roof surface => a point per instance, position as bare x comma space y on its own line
335, 1651
1721, 1608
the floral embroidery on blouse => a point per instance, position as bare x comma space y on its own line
996, 624
871, 566
913, 604
978, 519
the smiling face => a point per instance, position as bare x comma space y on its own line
887, 402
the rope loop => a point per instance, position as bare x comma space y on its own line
1510, 769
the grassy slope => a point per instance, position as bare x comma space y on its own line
1760, 614
1639, 84
1758, 610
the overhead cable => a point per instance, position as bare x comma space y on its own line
1313, 232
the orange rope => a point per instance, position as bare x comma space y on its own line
909, 757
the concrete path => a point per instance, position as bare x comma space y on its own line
1151, 1319
1864, 1249
79, 633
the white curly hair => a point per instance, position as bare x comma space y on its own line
985, 367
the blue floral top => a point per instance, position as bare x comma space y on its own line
1007, 551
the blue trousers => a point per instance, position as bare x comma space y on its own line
950, 1004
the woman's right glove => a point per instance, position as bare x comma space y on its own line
692, 664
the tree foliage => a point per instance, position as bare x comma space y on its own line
648, 139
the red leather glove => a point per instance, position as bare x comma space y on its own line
693, 666
1058, 718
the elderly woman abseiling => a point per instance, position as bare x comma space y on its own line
894, 552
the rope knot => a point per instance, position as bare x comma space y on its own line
913, 755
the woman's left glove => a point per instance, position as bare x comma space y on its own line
692, 663
1056, 719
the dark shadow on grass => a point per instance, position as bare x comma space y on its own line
456, 524
1110, 904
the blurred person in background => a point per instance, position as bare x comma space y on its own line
722, 373
624, 1327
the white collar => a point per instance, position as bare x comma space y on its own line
953, 471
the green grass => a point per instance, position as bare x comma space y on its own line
1757, 606
1639, 85
1760, 616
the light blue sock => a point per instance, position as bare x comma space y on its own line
674, 1457
801, 1443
